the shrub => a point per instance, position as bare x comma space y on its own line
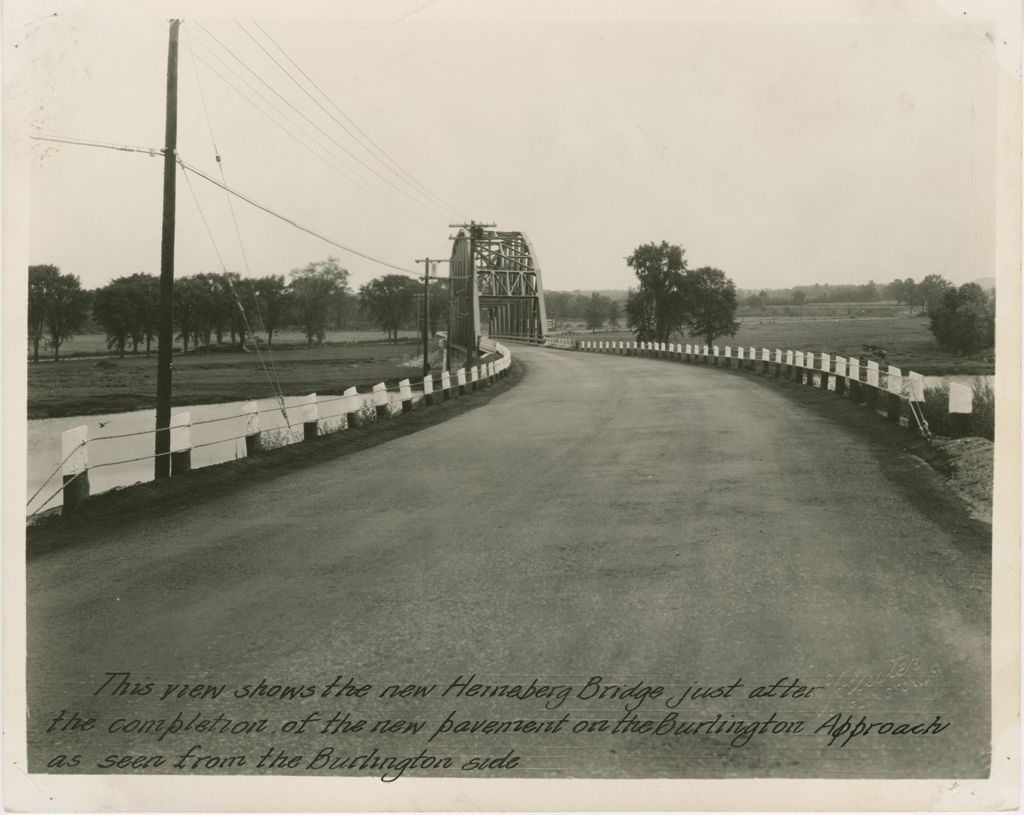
983, 416
935, 408
963, 321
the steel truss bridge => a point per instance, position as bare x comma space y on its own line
496, 287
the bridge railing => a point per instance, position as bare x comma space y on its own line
901, 395
115, 456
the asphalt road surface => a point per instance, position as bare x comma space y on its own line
605, 528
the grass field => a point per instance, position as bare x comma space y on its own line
96, 344
75, 387
906, 341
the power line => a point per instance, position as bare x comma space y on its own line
288, 220
127, 148
387, 160
277, 93
272, 373
274, 385
379, 195
320, 104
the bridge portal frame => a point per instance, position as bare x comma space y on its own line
495, 272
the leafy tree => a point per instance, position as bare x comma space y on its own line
799, 298
712, 304
439, 299
145, 294
911, 293
41, 280
272, 299
658, 307
963, 321
897, 290
313, 288
224, 307
614, 313
113, 307
57, 307
559, 304
344, 309
127, 311
190, 307
390, 301
597, 310
931, 290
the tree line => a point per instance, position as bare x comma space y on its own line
922, 296
209, 308
594, 308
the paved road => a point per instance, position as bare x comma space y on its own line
638, 520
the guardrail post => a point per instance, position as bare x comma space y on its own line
310, 418
251, 414
714, 349
872, 385
75, 472
380, 400
765, 361
741, 358
961, 406
181, 443
405, 395
446, 385
474, 375
915, 388
460, 376
840, 376
894, 385
853, 379
778, 363
350, 407
428, 390
798, 367
825, 369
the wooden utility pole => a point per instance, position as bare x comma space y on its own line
426, 310
165, 329
426, 313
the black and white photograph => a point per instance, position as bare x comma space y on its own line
503, 404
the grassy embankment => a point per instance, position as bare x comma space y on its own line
75, 387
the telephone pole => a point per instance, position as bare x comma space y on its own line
426, 309
165, 326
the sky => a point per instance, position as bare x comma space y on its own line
785, 143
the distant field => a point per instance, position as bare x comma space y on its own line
906, 340
828, 310
92, 344
87, 386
